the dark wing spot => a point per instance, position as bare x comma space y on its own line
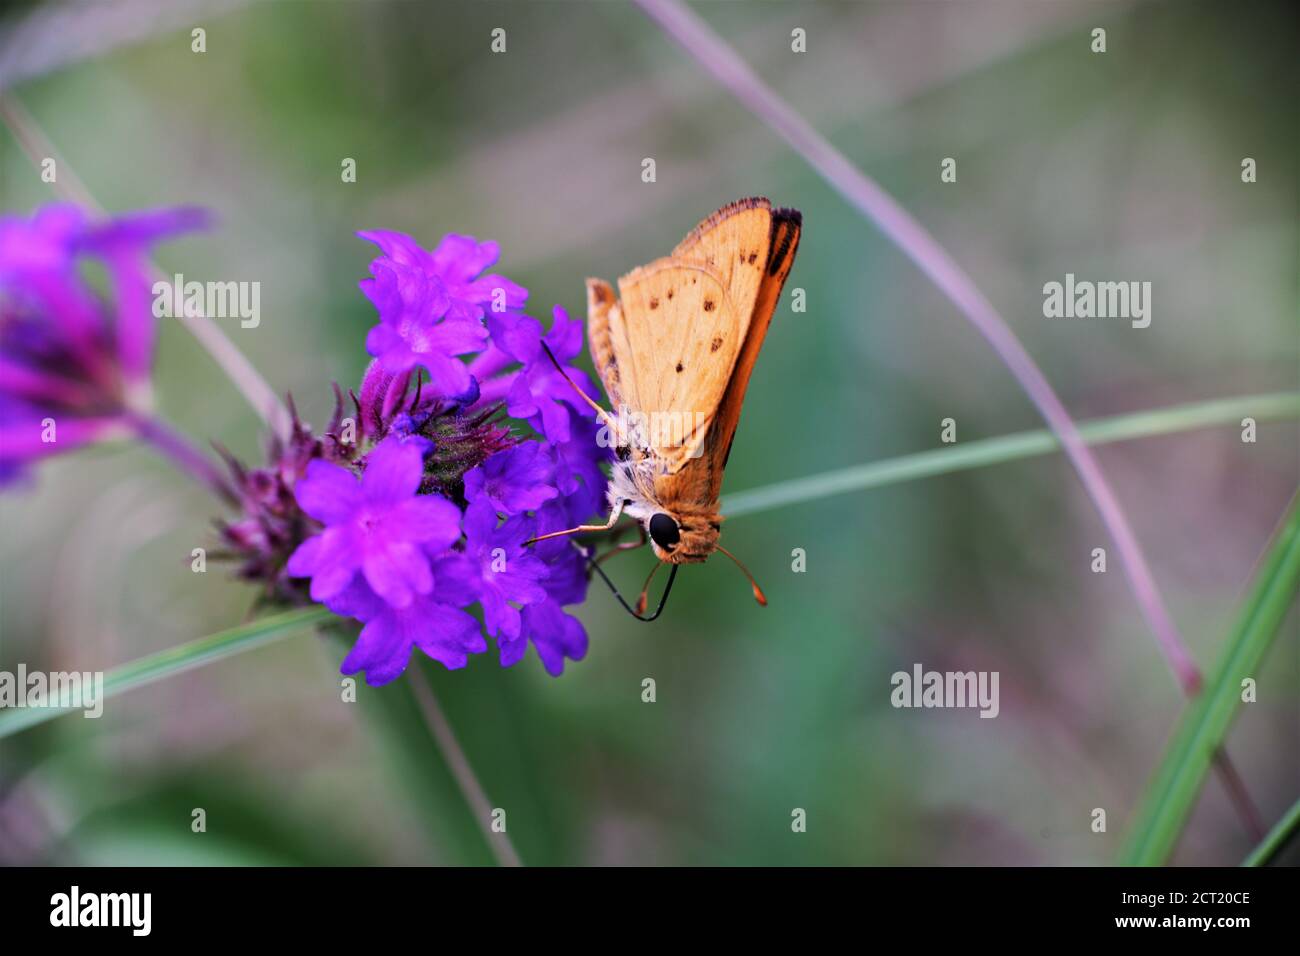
752, 257
670, 293
680, 366
654, 302
716, 343
708, 305
600, 293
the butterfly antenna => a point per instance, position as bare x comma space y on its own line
663, 598
603, 415
759, 596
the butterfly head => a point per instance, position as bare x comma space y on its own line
681, 539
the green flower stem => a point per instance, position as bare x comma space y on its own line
994, 451
1277, 837
175, 660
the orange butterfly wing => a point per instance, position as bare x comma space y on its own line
740, 257
786, 228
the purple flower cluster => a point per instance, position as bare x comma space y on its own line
74, 365
405, 515
428, 516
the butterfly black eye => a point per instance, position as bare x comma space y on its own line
664, 531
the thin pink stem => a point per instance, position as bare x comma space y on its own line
177, 450
713, 54
460, 769
255, 389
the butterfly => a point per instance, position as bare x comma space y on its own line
674, 349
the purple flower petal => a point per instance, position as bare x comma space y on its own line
428, 519
329, 493
393, 472
555, 634
456, 579
448, 635
84, 357
379, 527
397, 570
540, 393
518, 336
513, 481
507, 571
383, 650
431, 305
331, 562
143, 228
460, 258
399, 247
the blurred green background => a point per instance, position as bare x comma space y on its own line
1118, 166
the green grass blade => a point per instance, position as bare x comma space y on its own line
1273, 842
939, 461
177, 660
993, 451
1173, 790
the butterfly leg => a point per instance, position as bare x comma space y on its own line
613, 520
627, 545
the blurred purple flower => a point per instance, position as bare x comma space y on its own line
378, 527
71, 363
